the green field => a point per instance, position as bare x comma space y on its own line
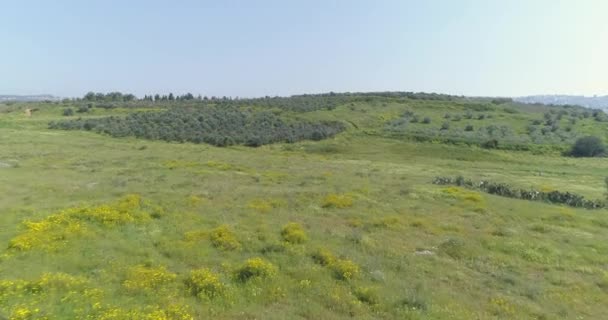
97, 227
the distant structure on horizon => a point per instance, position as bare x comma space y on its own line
38, 97
595, 102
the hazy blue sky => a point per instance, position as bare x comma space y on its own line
254, 48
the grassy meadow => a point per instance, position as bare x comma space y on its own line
97, 227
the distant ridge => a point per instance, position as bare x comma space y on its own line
595, 102
37, 97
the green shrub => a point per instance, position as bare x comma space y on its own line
255, 268
588, 147
367, 295
426, 120
223, 238
294, 233
490, 144
83, 109
68, 112
455, 248
469, 128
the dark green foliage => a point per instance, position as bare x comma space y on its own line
505, 190
479, 107
83, 109
426, 120
501, 100
445, 126
112, 96
588, 147
454, 248
469, 127
216, 126
106, 105
490, 144
68, 112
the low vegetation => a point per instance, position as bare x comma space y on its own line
116, 223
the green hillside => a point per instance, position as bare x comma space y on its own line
310, 207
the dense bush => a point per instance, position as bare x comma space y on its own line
83, 109
345, 269
204, 283
216, 126
223, 238
505, 190
255, 268
294, 233
323, 257
588, 147
68, 112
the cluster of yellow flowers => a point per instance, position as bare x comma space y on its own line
343, 269
255, 268
173, 312
22, 312
339, 201
265, 205
48, 232
58, 228
294, 233
25, 298
174, 164
463, 194
223, 238
142, 277
204, 283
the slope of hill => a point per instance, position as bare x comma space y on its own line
100, 225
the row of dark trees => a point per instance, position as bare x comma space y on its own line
109, 97
292, 102
214, 125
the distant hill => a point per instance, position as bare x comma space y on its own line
595, 102
39, 97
